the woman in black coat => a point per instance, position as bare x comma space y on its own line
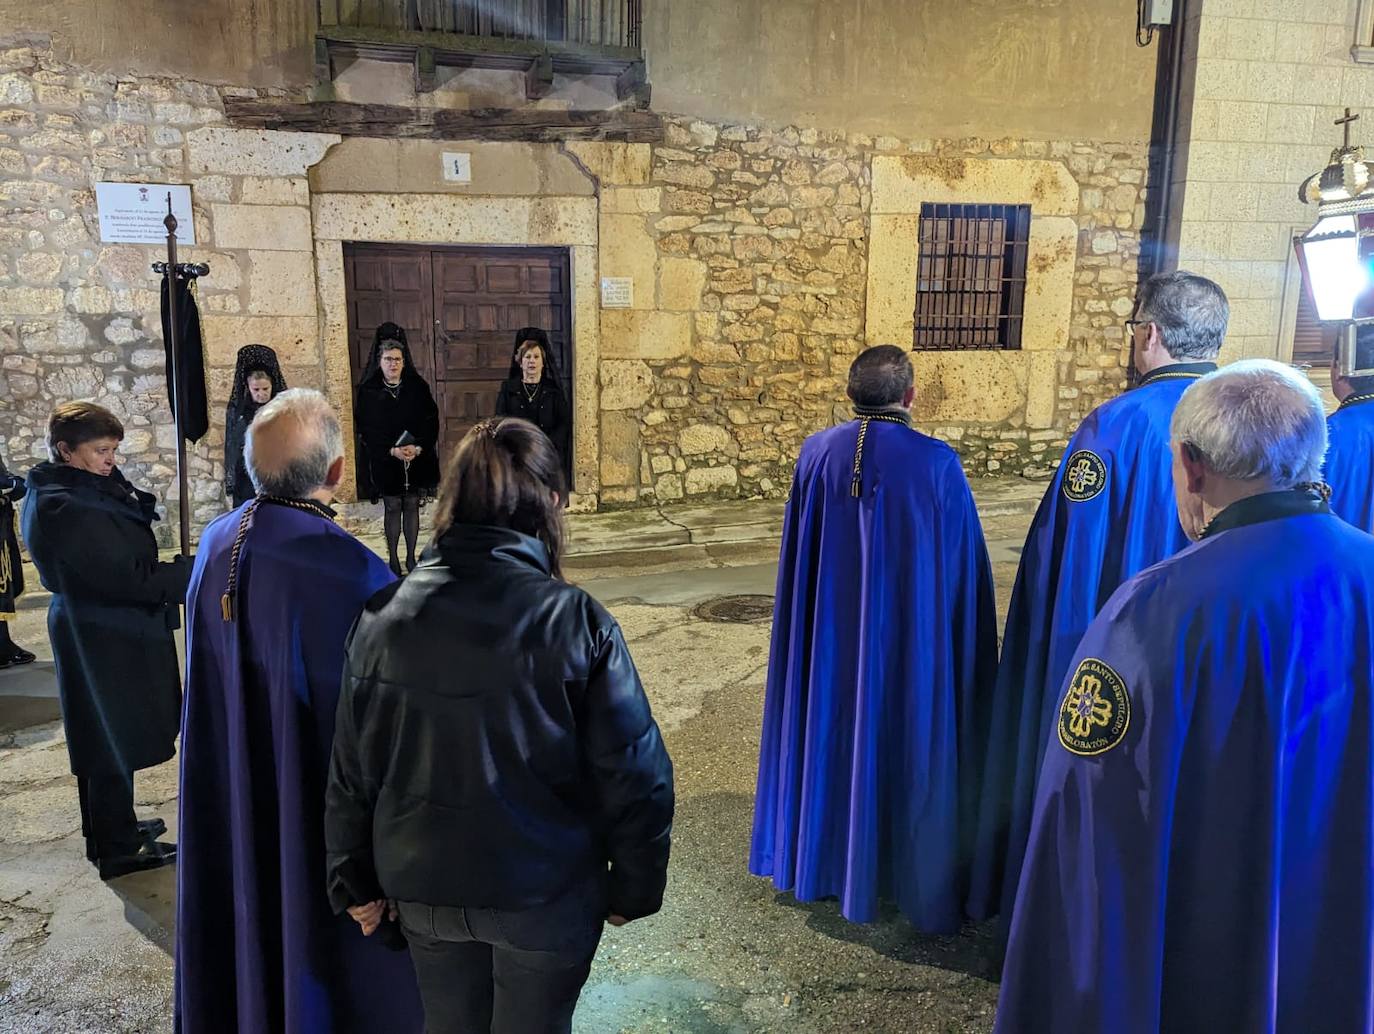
532, 390
496, 770
397, 425
11, 568
257, 380
114, 607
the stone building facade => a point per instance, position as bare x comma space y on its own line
763, 258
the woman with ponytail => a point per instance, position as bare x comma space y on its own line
498, 779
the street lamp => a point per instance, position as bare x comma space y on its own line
1337, 254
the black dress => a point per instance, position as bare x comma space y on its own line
12, 489
546, 407
238, 486
382, 414
114, 607
239, 413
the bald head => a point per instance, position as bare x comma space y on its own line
295, 446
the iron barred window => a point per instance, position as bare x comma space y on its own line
971, 276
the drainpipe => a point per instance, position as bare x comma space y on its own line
1164, 140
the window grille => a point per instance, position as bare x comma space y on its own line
971, 276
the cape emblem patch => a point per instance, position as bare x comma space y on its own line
1096, 711
1085, 476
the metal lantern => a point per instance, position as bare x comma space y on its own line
1337, 254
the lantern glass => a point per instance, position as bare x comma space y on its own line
1331, 260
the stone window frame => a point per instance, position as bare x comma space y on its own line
1018, 387
1362, 50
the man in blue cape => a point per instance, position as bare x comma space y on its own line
1108, 514
1201, 855
276, 588
1350, 455
883, 651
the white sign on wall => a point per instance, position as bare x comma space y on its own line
617, 292
457, 167
132, 213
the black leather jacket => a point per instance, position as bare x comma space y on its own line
494, 745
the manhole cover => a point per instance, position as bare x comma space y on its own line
738, 609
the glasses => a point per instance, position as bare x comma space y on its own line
1132, 324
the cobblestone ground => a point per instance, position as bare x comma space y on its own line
726, 955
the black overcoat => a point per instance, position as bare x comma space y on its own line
114, 608
12, 490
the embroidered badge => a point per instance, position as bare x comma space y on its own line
1096, 711
1085, 476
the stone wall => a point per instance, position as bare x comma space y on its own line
755, 243
1260, 89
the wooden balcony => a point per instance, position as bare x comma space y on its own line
541, 38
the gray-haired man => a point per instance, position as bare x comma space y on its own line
1108, 513
1201, 854
276, 588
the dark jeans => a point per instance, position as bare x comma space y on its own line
491, 971
107, 815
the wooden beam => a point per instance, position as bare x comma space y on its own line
539, 78
527, 125
426, 77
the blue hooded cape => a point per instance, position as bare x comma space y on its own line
1108, 513
1201, 856
1350, 461
884, 642
258, 948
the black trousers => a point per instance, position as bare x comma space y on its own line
491, 971
108, 821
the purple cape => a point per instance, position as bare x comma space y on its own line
1350, 462
883, 652
258, 948
1201, 854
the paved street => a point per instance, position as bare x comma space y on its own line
727, 954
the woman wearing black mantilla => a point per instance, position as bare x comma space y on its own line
533, 392
397, 424
257, 380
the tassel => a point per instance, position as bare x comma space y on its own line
856, 486
226, 606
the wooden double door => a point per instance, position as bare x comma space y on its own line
460, 307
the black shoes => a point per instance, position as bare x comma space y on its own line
410, 564
395, 566
148, 829
14, 657
149, 855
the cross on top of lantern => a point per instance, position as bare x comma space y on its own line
1336, 254
1346, 177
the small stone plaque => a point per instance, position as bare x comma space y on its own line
457, 167
617, 292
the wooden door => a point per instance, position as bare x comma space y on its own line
460, 307
482, 296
